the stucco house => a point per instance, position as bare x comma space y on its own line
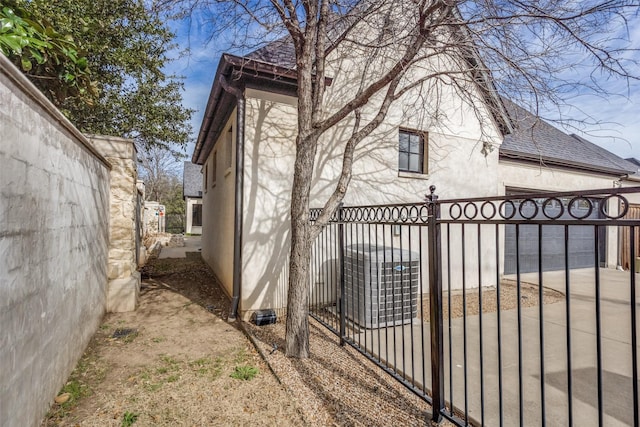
246, 148
192, 194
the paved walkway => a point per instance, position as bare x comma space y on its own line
191, 244
616, 353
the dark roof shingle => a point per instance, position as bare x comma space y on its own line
536, 140
280, 52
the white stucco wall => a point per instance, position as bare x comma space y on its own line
455, 166
218, 199
54, 225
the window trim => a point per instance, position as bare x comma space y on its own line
424, 137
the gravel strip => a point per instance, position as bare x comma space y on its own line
337, 385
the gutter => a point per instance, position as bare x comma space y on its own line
628, 177
246, 72
506, 154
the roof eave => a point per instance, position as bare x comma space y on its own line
212, 104
239, 72
484, 81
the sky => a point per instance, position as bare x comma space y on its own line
617, 115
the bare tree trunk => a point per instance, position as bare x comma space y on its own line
297, 333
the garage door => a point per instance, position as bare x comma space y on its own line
581, 239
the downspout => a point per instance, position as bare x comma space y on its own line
239, 195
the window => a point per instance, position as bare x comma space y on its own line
206, 176
229, 147
196, 216
411, 153
214, 166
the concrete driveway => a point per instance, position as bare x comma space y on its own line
615, 350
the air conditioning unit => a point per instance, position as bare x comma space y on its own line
381, 285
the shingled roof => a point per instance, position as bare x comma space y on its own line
192, 180
533, 139
280, 52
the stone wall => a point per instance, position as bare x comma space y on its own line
54, 215
124, 279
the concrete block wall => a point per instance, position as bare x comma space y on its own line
124, 279
54, 216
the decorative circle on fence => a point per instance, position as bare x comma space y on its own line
475, 210
366, 214
493, 210
395, 214
375, 214
424, 213
574, 202
386, 214
404, 214
455, 205
622, 201
414, 214
548, 203
523, 204
503, 207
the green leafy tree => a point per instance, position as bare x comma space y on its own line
127, 47
48, 57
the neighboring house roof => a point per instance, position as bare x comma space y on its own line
536, 140
634, 161
192, 180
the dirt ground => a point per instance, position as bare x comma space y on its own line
176, 365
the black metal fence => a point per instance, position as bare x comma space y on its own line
174, 223
497, 311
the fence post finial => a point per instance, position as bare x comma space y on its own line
432, 194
